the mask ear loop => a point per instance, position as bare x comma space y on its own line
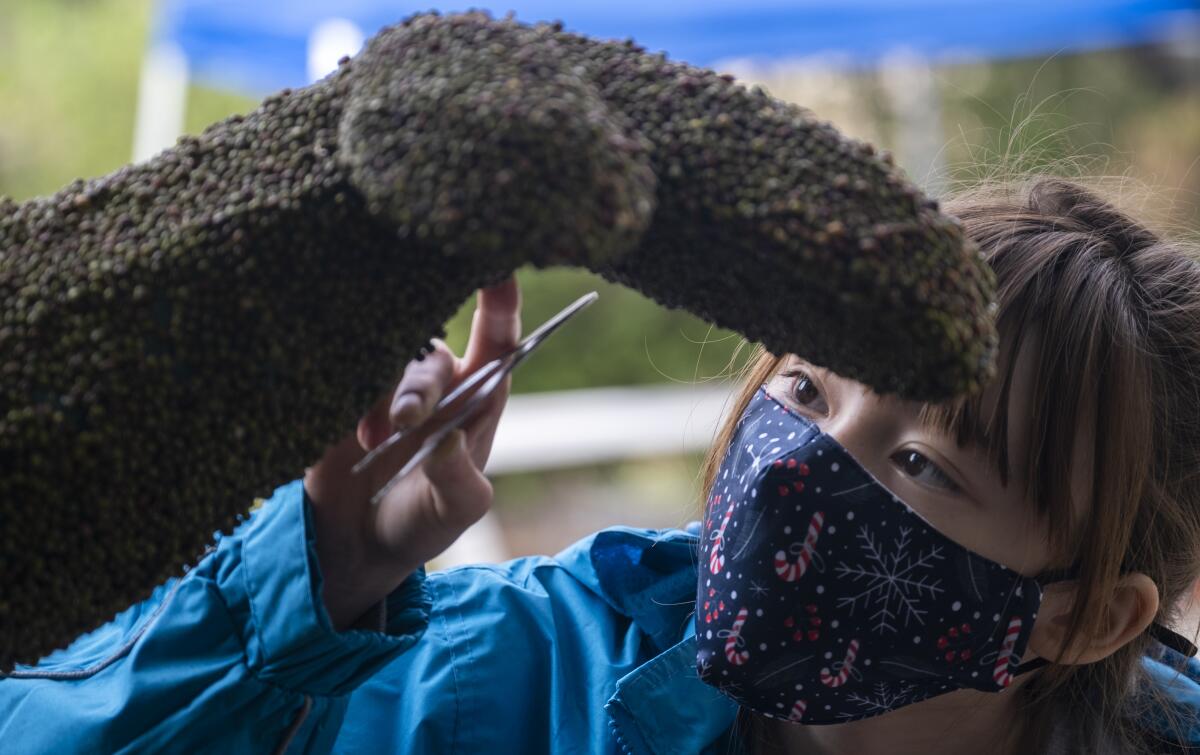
1164, 636
1172, 639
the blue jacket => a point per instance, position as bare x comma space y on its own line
589, 651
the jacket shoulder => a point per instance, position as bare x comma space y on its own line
614, 563
505, 640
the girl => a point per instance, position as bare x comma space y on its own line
993, 574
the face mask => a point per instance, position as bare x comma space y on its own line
823, 598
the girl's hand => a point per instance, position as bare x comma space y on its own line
366, 551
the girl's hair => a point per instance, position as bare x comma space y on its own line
1117, 309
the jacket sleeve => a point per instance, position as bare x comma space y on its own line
237, 655
521, 656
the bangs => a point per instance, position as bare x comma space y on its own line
1088, 383
1060, 394
971, 425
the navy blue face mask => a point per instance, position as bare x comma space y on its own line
823, 598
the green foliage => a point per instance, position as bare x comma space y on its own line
68, 85
1124, 121
622, 339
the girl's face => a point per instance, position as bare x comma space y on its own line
957, 490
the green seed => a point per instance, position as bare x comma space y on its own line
183, 335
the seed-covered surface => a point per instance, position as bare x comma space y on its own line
182, 336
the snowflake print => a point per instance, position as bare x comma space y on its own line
895, 585
884, 699
756, 456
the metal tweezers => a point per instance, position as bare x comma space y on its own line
490, 374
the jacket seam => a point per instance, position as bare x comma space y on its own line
116, 655
289, 730
255, 624
255, 628
452, 643
256, 673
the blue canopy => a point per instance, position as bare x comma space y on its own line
264, 45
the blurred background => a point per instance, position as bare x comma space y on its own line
610, 419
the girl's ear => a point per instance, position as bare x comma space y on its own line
1130, 608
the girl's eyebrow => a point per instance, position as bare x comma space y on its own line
976, 436
947, 424
941, 423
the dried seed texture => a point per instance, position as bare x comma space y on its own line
183, 335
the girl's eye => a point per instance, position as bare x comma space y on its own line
804, 390
922, 469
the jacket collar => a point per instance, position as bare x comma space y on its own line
1177, 679
661, 706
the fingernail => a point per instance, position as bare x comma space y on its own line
406, 406
424, 351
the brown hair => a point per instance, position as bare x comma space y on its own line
1117, 309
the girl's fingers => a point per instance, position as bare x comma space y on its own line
375, 427
423, 385
481, 429
495, 326
415, 393
461, 493
495, 329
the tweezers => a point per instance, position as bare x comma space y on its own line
490, 374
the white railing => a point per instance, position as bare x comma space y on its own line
598, 425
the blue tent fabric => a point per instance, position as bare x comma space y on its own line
261, 46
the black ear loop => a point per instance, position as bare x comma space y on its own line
1167, 637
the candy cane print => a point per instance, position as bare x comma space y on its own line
846, 667
1000, 673
798, 709
716, 559
789, 571
733, 638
